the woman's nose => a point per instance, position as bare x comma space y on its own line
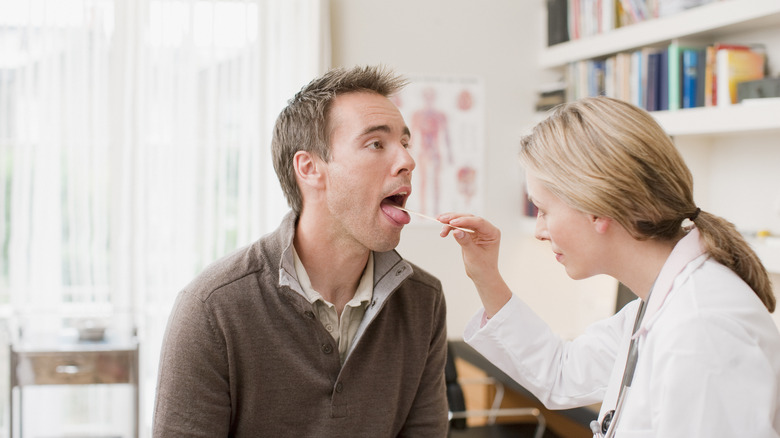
540, 230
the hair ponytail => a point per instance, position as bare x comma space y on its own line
727, 246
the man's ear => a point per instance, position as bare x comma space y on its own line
308, 169
601, 224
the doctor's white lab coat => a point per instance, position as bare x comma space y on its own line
709, 355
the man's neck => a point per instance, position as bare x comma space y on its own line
334, 266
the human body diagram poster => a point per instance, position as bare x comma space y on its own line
446, 118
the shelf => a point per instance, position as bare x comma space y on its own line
754, 116
711, 20
751, 116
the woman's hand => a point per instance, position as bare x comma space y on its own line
480, 257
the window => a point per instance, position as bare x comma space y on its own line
134, 150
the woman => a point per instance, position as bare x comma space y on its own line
697, 355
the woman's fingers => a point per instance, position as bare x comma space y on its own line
485, 233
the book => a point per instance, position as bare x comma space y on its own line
608, 18
734, 66
623, 76
701, 76
675, 74
652, 82
683, 58
709, 76
596, 77
648, 77
663, 81
690, 78
611, 77
557, 22
711, 71
573, 20
550, 96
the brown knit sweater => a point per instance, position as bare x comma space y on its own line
244, 356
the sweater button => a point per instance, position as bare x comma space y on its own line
339, 387
327, 348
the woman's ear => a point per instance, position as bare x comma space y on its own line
308, 169
601, 224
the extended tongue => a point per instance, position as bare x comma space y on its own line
395, 214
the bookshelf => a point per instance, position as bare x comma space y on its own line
715, 135
751, 116
711, 21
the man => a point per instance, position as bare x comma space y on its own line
319, 329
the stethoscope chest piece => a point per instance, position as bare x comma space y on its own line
600, 429
607, 421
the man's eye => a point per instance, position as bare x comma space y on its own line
375, 145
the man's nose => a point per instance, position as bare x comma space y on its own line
404, 161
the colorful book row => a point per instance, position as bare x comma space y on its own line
575, 19
669, 78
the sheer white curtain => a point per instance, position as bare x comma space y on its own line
134, 148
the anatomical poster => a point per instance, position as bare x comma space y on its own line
446, 119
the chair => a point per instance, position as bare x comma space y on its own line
458, 412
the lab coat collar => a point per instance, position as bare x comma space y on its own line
687, 250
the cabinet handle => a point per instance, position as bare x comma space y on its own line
67, 369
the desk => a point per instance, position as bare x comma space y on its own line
580, 416
79, 363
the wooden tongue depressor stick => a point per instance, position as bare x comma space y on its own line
433, 219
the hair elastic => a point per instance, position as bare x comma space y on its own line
695, 214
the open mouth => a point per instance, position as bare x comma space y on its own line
397, 199
398, 216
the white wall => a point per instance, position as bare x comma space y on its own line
497, 40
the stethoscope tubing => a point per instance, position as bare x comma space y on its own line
597, 427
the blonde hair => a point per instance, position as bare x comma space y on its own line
609, 158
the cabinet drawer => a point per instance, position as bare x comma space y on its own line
74, 367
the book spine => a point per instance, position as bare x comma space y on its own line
557, 22
674, 56
652, 84
710, 98
701, 61
663, 89
722, 77
690, 77
636, 78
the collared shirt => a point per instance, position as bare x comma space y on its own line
342, 329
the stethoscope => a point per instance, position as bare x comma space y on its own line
602, 429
